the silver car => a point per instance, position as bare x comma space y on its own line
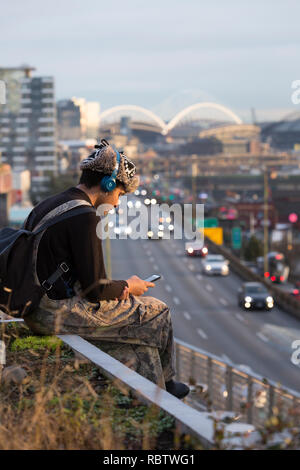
215, 264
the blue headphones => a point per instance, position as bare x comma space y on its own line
108, 183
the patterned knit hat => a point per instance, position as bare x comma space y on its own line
104, 160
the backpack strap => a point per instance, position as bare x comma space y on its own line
57, 211
62, 212
62, 268
76, 211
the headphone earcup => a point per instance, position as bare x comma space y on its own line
108, 184
103, 183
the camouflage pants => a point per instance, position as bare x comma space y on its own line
137, 331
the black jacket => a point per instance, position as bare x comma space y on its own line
74, 241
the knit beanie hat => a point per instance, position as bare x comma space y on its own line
104, 160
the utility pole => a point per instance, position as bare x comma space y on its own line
167, 175
252, 223
194, 191
266, 220
108, 258
290, 239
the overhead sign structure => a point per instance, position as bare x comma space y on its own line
208, 222
236, 238
215, 234
211, 222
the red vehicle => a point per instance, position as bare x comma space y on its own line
296, 290
195, 249
278, 269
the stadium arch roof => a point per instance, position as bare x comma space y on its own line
135, 109
164, 127
186, 111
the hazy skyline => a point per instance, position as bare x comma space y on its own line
240, 54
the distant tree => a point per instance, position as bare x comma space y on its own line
253, 249
226, 237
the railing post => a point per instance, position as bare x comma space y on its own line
193, 367
2, 357
210, 382
229, 400
2, 353
249, 400
177, 355
271, 400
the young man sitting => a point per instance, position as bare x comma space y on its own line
136, 330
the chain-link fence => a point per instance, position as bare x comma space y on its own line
218, 386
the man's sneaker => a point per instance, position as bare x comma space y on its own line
177, 389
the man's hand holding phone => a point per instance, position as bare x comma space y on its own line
138, 286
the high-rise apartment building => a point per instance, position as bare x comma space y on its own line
77, 119
28, 124
68, 120
89, 117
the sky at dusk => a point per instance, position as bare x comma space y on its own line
162, 55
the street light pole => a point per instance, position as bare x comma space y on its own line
252, 224
266, 220
108, 256
194, 191
167, 174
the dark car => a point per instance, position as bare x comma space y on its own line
254, 295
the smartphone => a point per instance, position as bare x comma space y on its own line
152, 278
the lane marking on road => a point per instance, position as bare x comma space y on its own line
208, 287
262, 337
176, 300
199, 277
151, 259
155, 267
191, 267
223, 301
168, 288
201, 333
187, 315
240, 317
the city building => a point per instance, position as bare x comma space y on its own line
5, 193
21, 187
283, 134
71, 152
28, 124
68, 120
89, 117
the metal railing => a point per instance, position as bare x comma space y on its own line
219, 386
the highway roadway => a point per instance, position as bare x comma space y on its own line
205, 311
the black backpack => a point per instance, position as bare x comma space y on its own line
19, 292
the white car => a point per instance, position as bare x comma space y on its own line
155, 233
123, 229
215, 264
